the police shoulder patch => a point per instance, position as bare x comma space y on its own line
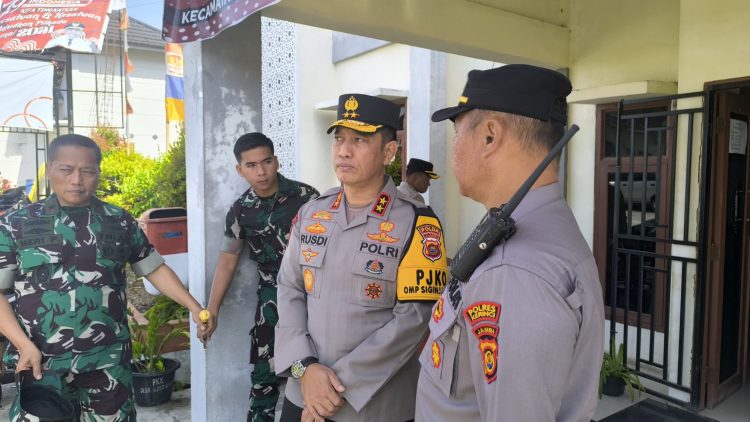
423, 270
482, 312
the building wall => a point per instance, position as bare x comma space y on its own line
147, 126
314, 52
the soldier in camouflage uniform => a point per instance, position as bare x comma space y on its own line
262, 217
65, 257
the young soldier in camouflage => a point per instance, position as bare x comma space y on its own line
66, 258
262, 217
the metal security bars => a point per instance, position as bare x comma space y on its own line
654, 266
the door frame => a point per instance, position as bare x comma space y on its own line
711, 393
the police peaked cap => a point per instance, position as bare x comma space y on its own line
521, 89
417, 165
365, 113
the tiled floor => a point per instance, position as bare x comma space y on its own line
736, 408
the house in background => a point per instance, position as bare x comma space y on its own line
97, 97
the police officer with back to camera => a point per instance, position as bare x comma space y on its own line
65, 256
363, 267
522, 338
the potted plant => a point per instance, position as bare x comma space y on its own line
153, 374
614, 375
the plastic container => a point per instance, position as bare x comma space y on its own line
166, 229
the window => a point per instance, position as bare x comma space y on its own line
631, 210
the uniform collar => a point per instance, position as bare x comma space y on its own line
52, 206
537, 198
284, 189
380, 208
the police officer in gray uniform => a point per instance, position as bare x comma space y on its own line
363, 266
522, 340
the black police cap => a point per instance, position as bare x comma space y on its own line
365, 113
521, 89
417, 165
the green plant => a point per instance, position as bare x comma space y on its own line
149, 340
613, 366
170, 175
393, 168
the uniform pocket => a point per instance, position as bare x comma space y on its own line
373, 292
438, 360
47, 253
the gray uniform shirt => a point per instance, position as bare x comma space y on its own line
337, 302
523, 339
409, 191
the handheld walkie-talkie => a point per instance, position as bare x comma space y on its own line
497, 226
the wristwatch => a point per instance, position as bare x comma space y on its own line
299, 366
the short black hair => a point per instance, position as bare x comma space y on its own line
250, 141
73, 140
388, 133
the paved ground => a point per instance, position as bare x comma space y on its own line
176, 410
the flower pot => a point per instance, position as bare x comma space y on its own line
613, 387
152, 389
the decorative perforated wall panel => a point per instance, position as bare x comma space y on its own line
279, 95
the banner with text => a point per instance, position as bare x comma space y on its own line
192, 20
33, 25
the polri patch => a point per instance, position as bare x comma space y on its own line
374, 267
482, 312
487, 336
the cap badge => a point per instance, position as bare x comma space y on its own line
351, 106
463, 100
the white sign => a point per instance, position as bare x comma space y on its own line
26, 92
737, 137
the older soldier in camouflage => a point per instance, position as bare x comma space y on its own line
260, 217
65, 257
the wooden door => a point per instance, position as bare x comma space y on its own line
725, 340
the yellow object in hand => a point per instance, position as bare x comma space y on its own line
204, 315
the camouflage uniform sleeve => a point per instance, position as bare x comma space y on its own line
233, 234
143, 257
8, 263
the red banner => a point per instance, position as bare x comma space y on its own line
191, 20
33, 25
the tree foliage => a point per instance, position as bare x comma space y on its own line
135, 182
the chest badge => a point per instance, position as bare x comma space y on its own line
316, 228
309, 254
374, 291
385, 228
436, 355
437, 313
374, 267
309, 279
321, 215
